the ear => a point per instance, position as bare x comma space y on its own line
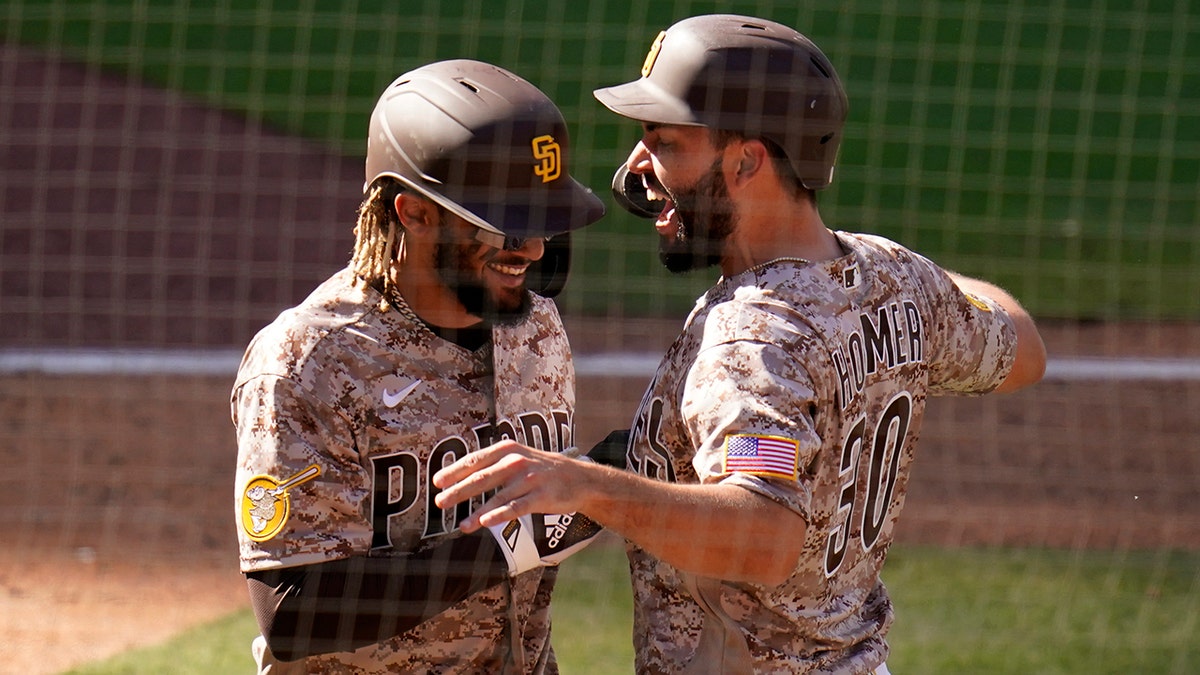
752, 156
417, 214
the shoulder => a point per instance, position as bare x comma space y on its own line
891, 270
543, 325
543, 310
772, 306
754, 317
311, 336
749, 341
879, 249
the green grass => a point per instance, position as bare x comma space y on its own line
1023, 611
217, 647
1053, 151
1000, 611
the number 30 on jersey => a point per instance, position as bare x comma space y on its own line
874, 490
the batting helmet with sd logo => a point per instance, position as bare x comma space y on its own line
483, 143
746, 75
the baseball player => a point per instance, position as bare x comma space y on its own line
769, 458
431, 344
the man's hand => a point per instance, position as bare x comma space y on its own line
527, 481
532, 515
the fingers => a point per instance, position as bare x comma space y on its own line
495, 512
458, 486
472, 463
498, 510
524, 480
477, 473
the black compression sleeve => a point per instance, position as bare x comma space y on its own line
346, 604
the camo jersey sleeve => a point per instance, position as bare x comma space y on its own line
301, 483
972, 343
292, 430
749, 384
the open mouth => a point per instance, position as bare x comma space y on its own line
665, 223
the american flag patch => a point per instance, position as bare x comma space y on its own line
761, 455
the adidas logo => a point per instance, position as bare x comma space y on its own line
556, 527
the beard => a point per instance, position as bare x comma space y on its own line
472, 292
706, 219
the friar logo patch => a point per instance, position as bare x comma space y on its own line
266, 503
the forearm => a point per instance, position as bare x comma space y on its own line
346, 604
719, 531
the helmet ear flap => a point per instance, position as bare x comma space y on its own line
631, 194
547, 276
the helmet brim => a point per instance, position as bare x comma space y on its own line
568, 206
644, 101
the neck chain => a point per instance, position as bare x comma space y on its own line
392, 297
473, 340
760, 266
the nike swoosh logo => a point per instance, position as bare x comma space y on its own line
392, 398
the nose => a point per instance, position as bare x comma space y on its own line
639, 159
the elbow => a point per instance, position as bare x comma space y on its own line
1038, 371
275, 613
1035, 357
281, 647
1030, 365
1020, 377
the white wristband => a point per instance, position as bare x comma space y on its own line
515, 539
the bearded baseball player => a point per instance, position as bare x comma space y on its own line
431, 344
769, 458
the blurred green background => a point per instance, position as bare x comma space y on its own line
1051, 146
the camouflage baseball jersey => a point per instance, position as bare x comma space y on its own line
345, 407
805, 383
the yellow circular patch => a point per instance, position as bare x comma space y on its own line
265, 508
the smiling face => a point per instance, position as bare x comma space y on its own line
488, 282
681, 166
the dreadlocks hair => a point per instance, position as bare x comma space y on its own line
378, 233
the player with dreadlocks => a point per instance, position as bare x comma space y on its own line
439, 338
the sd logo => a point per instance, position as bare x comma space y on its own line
549, 155
652, 56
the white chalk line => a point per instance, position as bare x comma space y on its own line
613, 364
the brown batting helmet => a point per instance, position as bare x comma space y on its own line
484, 144
747, 75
